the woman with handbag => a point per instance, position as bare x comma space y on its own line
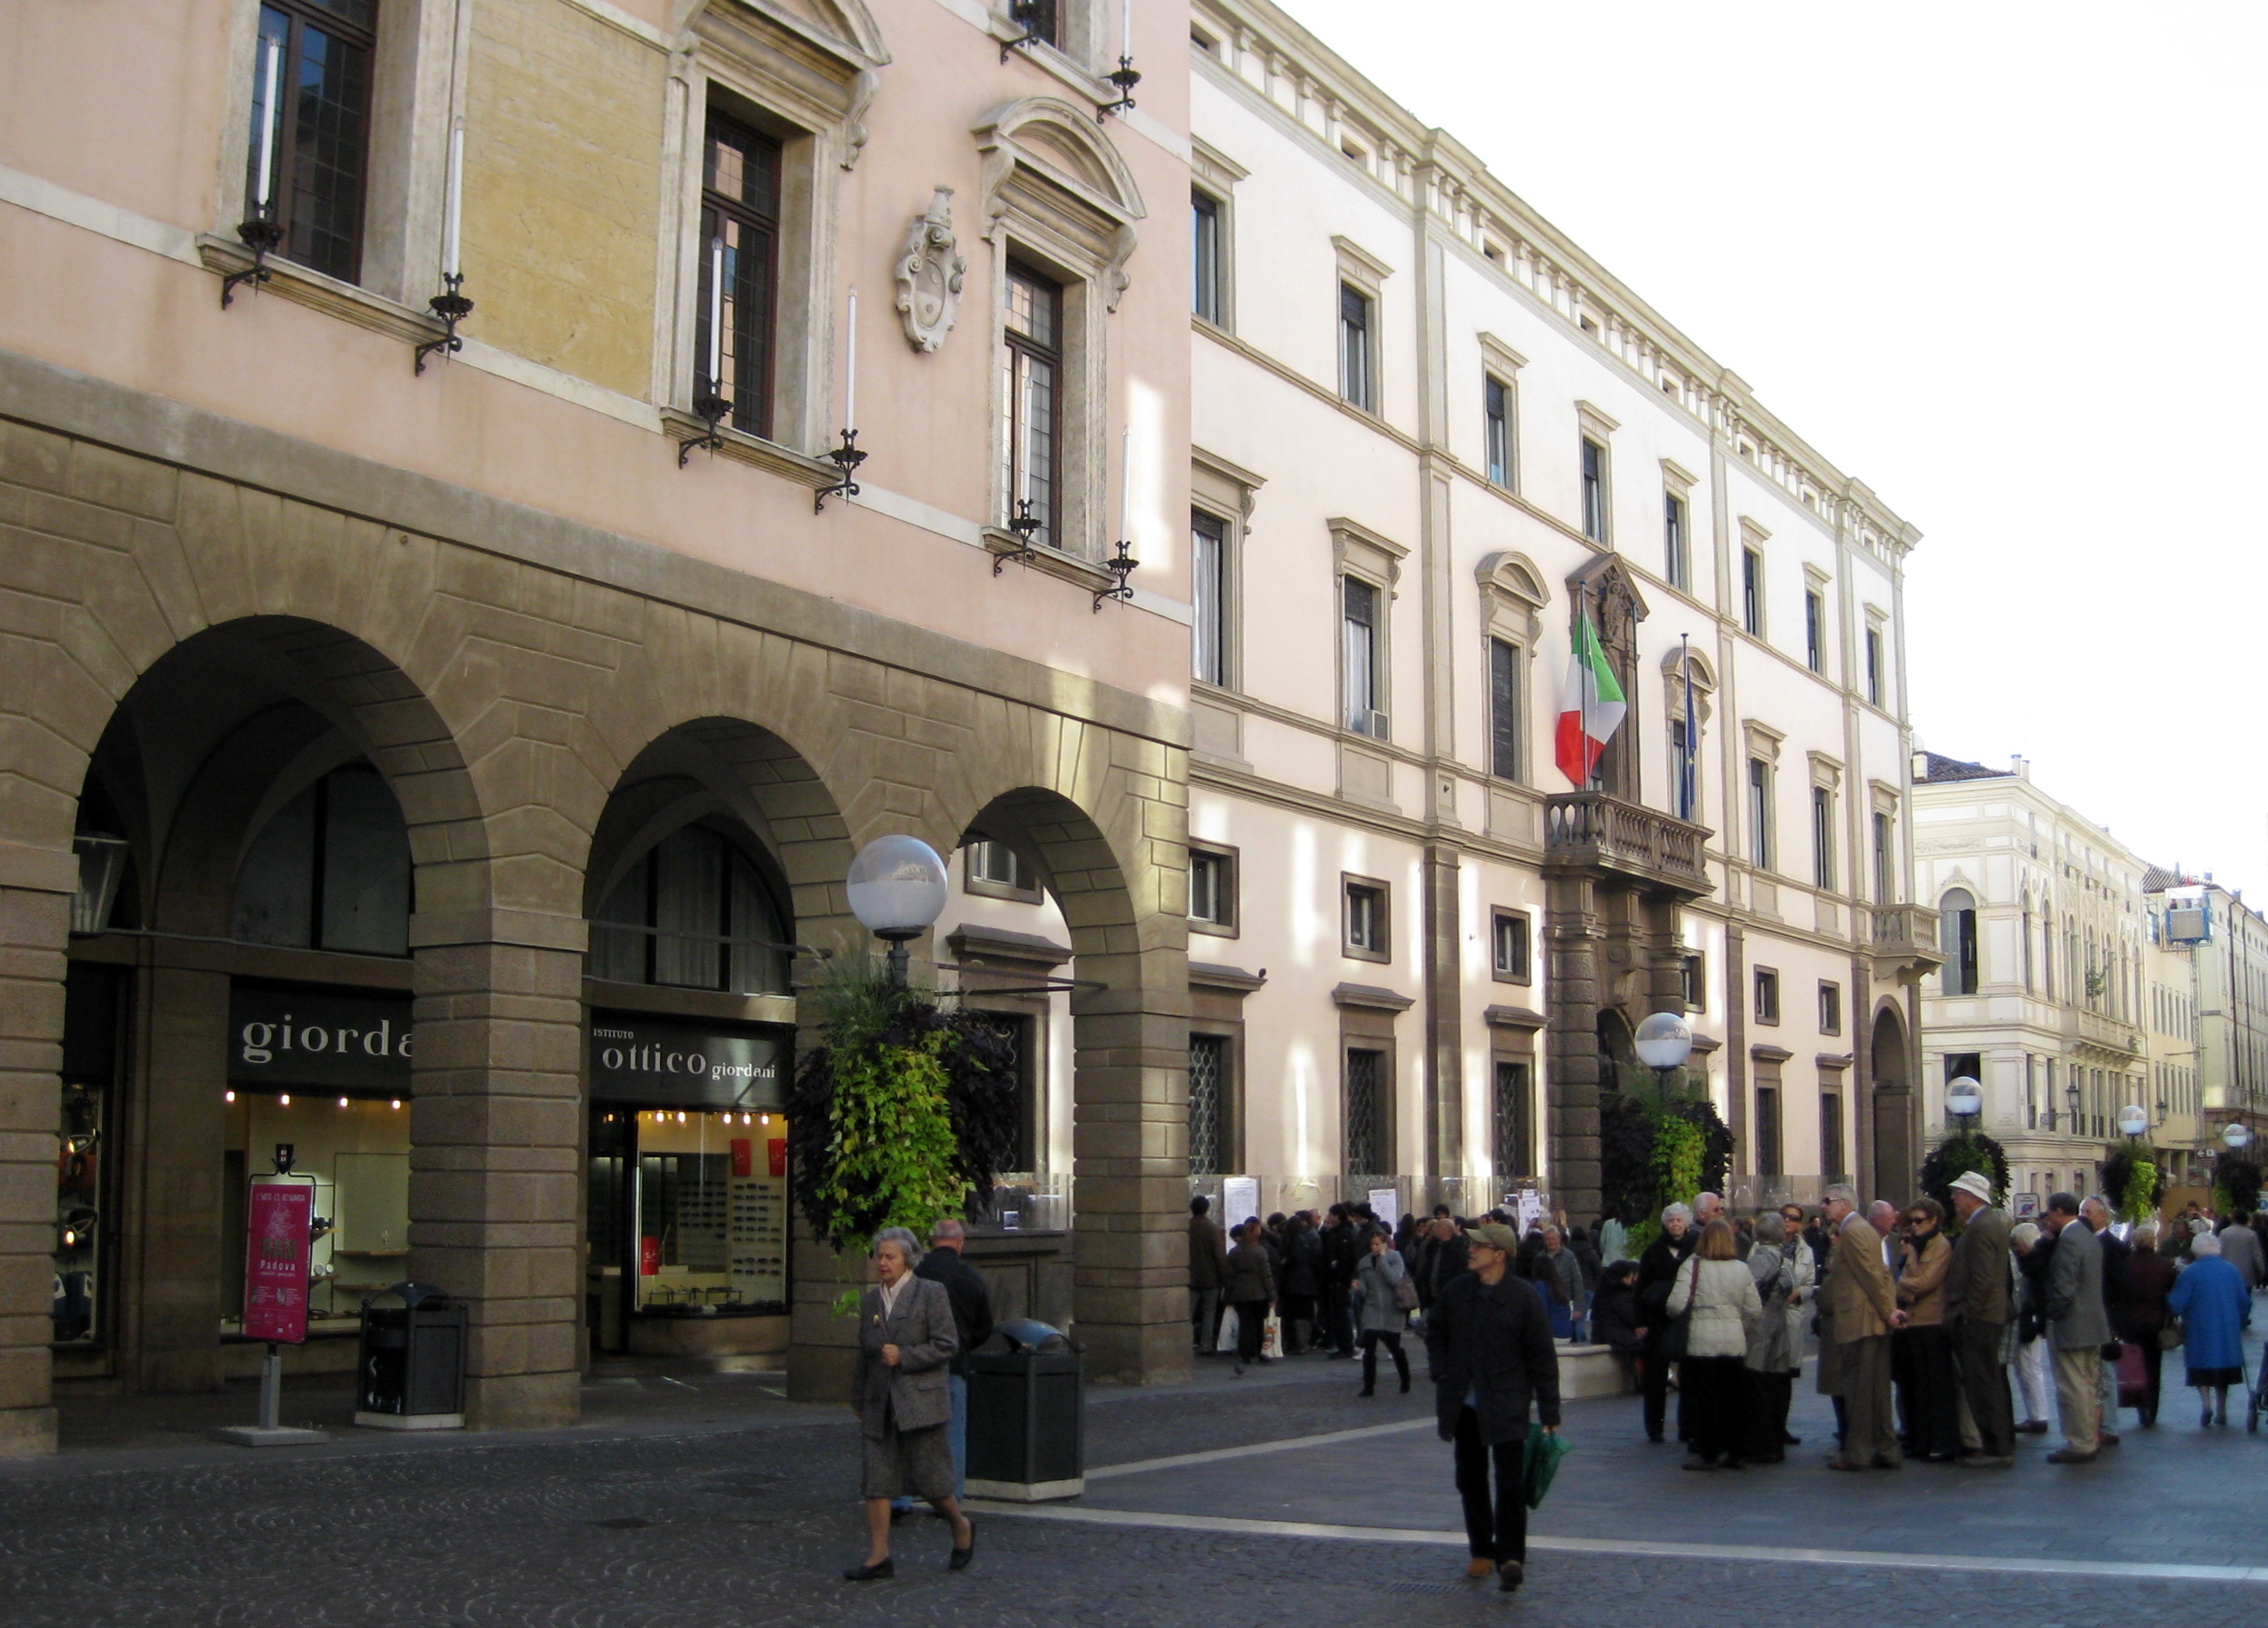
1664, 1338
1382, 1280
1715, 1292
2144, 1320
1251, 1291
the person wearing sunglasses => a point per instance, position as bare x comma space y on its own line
1923, 1349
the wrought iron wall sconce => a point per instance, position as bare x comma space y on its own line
712, 409
1023, 522
846, 458
1121, 566
1125, 79
451, 307
1026, 15
262, 235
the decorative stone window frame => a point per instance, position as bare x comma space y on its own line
1877, 627
1348, 882
1229, 492
1762, 979
1678, 482
1056, 197
1232, 862
1830, 991
1762, 742
415, 96
1358, 551
1366, 1023
1513, 594
1217, 1010
1753, 538
1526, 974
806, 85
1364, 271
1500, 361
1674, 705
1593, 425
1215, 174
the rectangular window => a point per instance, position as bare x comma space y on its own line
996, 868
1015, 1032
1881, 859
1594, 490
308, 164
1209, 1146
1357, 382
1212, 888
1508, 933
1823, 837
740, 229
1676, 564
1752, 591
1767, 995
1366, 921
1208, 597
1207, 279
1874, 667
1696, 970
1515, 1134
1496, 422
1814, 631
1829, 1008
1760, 813
1039, 19
1503, 709
1358, 619
1768, 1130
1831, 1136
1031, 406
1365, 1113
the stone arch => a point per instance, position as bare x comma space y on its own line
1889, 1057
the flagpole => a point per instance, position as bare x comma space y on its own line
1590, 764
1685, 764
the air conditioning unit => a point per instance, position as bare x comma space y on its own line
2188, 927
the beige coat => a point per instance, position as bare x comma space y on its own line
1861, 1298
1921, 1280
1722, 1297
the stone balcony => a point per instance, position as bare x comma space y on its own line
2105, 1033
1904, 941
1605, 837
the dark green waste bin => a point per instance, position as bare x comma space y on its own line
1027, 1422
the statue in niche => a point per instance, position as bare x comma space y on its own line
1605, 588
929, 275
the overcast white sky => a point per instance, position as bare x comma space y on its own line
1999, 261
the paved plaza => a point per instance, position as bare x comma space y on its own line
1278, 1500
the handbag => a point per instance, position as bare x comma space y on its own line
2170, 1336
1406, 1293
1674, 1336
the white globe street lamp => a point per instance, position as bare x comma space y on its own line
1663, 1042
2236, 1138
2132, 1120
897, 889
1965, 1101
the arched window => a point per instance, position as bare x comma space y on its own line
694, 912
1956, 927
331, 870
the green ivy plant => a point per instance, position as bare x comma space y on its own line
2135, 1182
2235, 1185
1958, 1154
1657, 1147
902, 1111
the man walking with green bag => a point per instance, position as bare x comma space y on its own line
1489, 1341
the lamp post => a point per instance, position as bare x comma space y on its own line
1662, 1043
2132, 1121
897, 889
2071, 1104
1965, 1104
2237, 1137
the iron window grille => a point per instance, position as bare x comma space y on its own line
1365, 1113
1208, 1104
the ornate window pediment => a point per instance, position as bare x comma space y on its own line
1069, 193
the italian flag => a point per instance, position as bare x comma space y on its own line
1591, 706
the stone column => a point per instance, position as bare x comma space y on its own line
1576, 936
497, 1155
36, 888
1444, 1022
1130, 1161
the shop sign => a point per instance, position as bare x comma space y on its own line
670, 1063
279, 1220
318, 1039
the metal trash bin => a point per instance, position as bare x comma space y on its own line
1027, 1416
411, 1375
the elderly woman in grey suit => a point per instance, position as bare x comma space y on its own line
898, 1390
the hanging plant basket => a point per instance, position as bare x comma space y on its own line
904, 1110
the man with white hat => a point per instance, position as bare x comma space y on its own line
1977, 1312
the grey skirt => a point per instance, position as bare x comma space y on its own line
908, 1464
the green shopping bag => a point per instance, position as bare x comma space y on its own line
1539, 1462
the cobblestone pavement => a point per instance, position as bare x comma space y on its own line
691, 1501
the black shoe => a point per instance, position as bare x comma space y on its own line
958, 1561
1367, 1391
1788, 1440
1406, 1385
1510, 1575
1240, 1367
879, 1569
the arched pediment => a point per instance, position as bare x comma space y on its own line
1515, 576
841, 28
1676, 660
1061, 143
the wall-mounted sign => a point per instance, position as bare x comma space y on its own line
284, 1039
671, 1063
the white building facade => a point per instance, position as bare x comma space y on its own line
2044, 989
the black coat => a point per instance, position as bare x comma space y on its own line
1494, 1340
1614, 1319
1302, 1264
1340, 1247
1453, 1257
1657, 1274
971, 1301
2032, 1321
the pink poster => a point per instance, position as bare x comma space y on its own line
276, 1261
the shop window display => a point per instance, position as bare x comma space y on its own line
78, 1197
358, 1150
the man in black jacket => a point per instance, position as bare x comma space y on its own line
972, 1322
1490, 1345
1339, 1250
